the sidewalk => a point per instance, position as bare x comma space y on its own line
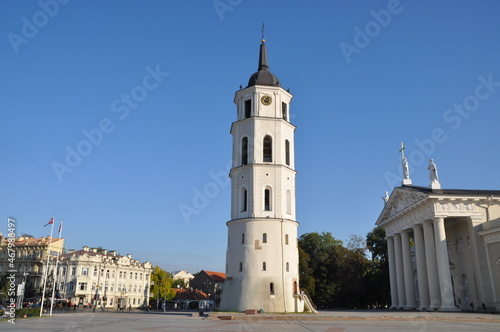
362, 315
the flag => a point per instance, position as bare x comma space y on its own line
60, 227
50, 222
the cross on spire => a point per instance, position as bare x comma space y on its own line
403, 147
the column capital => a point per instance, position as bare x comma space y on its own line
438, 220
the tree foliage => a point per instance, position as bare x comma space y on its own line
338, 276
161, 287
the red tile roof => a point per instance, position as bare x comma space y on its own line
217, 276
187, 294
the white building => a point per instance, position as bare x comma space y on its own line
456, 239
183, 275
262, 254
119, 280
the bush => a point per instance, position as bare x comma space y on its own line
28, 312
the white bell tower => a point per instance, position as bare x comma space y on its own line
262, 253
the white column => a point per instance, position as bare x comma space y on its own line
392, 272
445, 285
431, 262
411, 303
423, 285
478, 285
399, 271
495, 299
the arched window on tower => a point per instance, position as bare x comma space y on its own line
271, 288
284, 111
268, 149
244, 150
264, 237
267, 200
287, 152
264, 267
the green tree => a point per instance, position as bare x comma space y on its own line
162, 285
317, 265
179, 283
378, 276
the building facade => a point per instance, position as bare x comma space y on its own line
210, 283
30, 261
455, 237
183, 275
118, 281
262, 253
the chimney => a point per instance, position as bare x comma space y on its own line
105, 251
113, 252
85, 248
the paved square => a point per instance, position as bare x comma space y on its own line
333, 321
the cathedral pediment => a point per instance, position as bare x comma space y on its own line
401, 200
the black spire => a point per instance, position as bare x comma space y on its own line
263, 56
263, 76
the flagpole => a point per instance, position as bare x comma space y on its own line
55, 269
46, 274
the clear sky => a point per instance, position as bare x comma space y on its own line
116, 114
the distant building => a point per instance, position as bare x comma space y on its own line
190, 299
183, 275
30, 261
119, 280
210, 283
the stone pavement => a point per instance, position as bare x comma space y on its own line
325, 321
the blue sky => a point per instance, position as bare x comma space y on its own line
144, 90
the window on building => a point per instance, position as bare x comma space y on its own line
136, 276
244, 150
95, 272
295, 288
264, 238
267, 200
71, 286
120, 275
244, 199
271, 288
242, 237
241, 266
85, 271
288, 202
73, 270
82, 286
63, 271
264, 266
268, 149
287, 267
248, 108
131, 274
287, 152
284, 111
286, 238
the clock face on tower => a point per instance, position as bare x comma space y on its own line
266, 100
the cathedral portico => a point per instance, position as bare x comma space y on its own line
442, 255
